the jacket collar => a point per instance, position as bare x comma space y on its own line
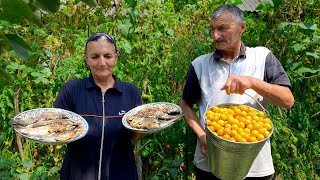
118, 86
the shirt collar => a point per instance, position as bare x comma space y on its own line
242, 54
117, 85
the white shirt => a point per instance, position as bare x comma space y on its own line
212, 74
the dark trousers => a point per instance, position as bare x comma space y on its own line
204, 175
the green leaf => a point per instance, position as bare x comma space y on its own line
36, 74
51, 6
5, 76
23, 176
4, 44
297, 47
1, 137
308, 26
18, 44
237, 2
16, 12
5, 163
315, 38
259, 7
54, 170
39, 32
131, 3
295, 65
90, 2
133, 12
27, 163
126, 45
307, 40
282, 25
41, 79
124, 26
315, 55
307, 70
41, 169
173, 173
177, 162
265, 5
170, 32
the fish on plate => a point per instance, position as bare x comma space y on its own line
154, 116
48, 126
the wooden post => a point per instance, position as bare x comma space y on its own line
138, 143
16, 111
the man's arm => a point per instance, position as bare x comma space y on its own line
275, 86
193, 122
276, 94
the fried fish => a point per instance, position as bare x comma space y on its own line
154, 116
48, 126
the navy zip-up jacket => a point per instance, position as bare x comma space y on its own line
81, 160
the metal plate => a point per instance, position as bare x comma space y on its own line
71, 115
163, 125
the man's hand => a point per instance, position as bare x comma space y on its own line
237, 84
276, 94
203, 145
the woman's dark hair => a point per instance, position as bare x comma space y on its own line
97, 36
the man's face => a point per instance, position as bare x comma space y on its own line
226, 32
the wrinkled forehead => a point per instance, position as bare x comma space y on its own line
100, 43
223, 15
223, 19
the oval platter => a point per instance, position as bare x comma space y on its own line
163, 123
75, 121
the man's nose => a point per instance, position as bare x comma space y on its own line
215, 34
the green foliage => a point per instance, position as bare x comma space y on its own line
17, 11
12, 41
158, 41
51, 6
22, 12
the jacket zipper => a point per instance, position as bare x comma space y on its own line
102, 138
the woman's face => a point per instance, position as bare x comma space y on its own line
101, 57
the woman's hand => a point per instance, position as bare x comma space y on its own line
138, 136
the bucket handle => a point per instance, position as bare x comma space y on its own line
264, 110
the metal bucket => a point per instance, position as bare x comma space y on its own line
232, 160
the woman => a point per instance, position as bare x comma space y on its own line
106, 152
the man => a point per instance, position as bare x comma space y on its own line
232, 70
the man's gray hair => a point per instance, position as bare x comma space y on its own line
233, 10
